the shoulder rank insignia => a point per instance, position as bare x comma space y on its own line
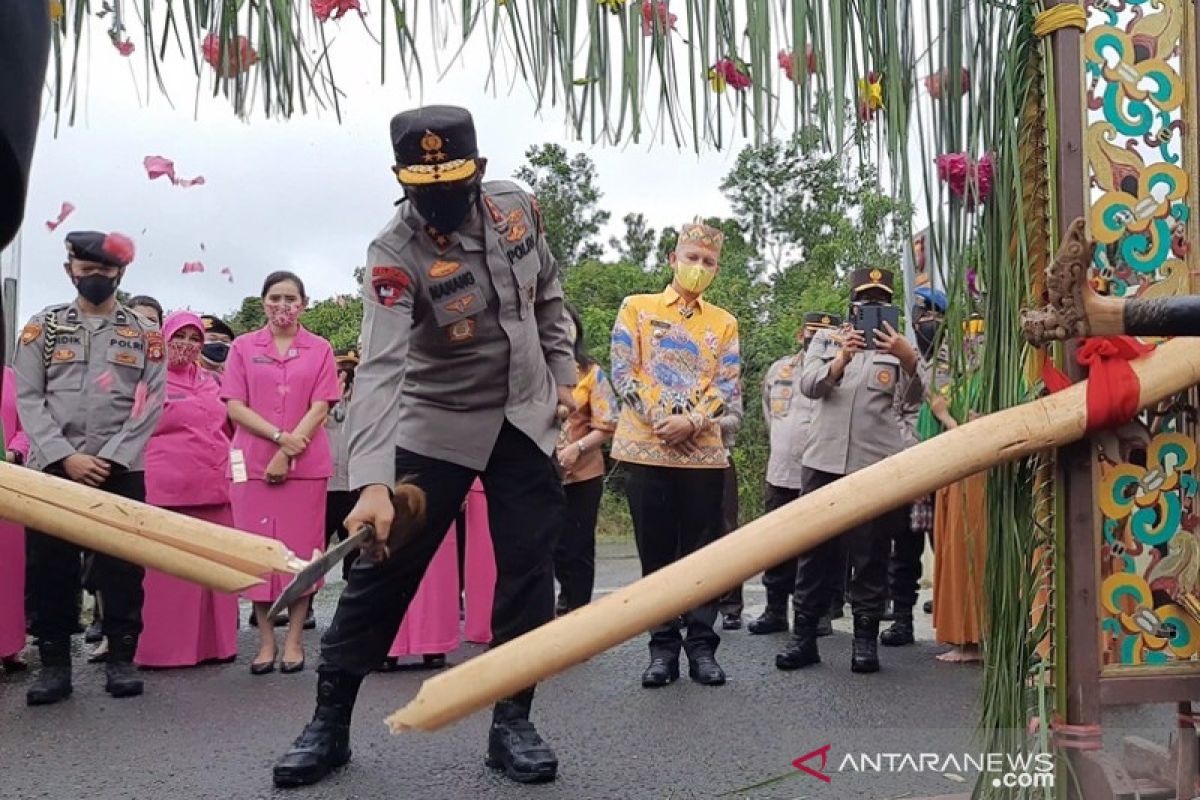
30, 332
516, 226
154, 345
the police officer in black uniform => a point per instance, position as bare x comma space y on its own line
90, 380
465, 359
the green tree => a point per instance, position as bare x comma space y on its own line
338, 319
249, 316
638, 243
567, 193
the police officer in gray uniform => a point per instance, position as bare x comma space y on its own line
466, 358
856, 422
788, 414
90, 382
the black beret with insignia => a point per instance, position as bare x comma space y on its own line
109, 249
873, 278
434, 144
341, 357
216, 325
822, 319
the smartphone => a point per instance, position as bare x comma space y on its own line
869, 318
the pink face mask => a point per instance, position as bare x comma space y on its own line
283, 315
181, 352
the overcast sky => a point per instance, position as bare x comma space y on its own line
305, 194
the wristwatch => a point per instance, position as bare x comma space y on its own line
276, 436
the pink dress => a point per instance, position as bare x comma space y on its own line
186, 462
12, 537
431, 624
281, 389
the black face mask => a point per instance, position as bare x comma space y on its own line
216, 352
444, 207
96, 289
927, 331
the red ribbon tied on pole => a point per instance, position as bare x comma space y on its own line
1113, 387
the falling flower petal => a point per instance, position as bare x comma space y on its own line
104, 380
228, 272
139, 400
324, 9
193, 266
656, 16
63, 213
186, 182
202, 246
233, 62
157, 166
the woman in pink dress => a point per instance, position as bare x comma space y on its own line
12, 541
430, 628
279, 384
186, 462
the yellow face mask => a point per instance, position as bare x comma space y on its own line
694, 277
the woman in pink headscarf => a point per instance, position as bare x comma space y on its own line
186, 463
12, 541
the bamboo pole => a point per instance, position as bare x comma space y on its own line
57, 505
119, 543
1049, 422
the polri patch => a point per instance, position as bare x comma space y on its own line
461, 331
154, 345
389, 284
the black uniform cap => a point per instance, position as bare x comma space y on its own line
216, 325
873, 278
822, 319
434, 144
109, 249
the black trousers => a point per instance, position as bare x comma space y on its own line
864, 547
575, 550
675, 512
337, 507
779, 580
731, 602
54, 571
525, 502
904, 567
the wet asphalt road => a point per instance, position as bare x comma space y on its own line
213, 732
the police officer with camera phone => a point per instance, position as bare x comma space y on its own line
859, 392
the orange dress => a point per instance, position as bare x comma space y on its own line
960, 547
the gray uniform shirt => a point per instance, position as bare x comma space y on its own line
460, 333
857, 420
788, 414
339, 447
77, 385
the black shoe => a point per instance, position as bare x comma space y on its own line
252, 621
825, 626
663, 670
704, 669
324, 744
802, 650
901, 631
310, 622
121, 677
291, 667
433, 660
53, 681
837, 611
93, 634
517, 749
927, 607
864, 654
889, 613
731, 621
772, 620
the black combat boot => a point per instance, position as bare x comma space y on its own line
802, 650
663, 670
772, 620
514, 745
121, 676
900, 632
53, 682
704, 669
864, 654
825, 626
324, 744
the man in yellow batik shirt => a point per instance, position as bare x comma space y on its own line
676, 368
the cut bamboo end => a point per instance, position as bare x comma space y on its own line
1047, 423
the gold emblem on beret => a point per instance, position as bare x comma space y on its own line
876, 275
431, 143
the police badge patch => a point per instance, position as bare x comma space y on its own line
30, 332
388, 283
154, 345
462, 331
